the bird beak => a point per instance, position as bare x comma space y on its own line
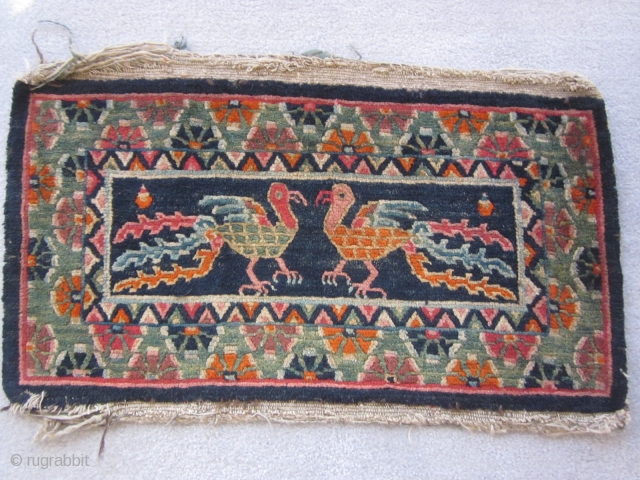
297, 197
324, 196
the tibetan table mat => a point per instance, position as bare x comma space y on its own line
306, 239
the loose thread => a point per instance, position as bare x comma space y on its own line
356, 52
180, 44
35, 44
317, 53
104, 434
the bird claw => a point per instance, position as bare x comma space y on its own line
331, 278
293, 277
261, 288
362, 289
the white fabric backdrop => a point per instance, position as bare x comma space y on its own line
595, 38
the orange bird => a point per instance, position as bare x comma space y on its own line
240, 222
375, 232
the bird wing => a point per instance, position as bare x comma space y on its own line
236, 209
387, 213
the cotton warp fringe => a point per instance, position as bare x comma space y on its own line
58, 422
153, 61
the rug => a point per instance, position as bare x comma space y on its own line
302, 239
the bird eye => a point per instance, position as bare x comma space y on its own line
279, 195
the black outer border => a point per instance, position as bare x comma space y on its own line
69, 395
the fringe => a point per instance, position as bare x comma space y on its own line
57, 422
159, 61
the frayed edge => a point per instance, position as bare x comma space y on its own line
159, 61
59, 421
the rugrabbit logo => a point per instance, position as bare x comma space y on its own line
46, 461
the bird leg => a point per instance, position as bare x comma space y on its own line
331, 276
365, 287
293, 276
259, 286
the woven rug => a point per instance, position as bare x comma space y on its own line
298, 239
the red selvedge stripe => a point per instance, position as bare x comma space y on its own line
273, 99
29, 145
195, 382
605, 303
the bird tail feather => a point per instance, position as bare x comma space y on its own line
205, 258
423, 239
417, 261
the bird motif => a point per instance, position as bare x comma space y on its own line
376, 231
240, 222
